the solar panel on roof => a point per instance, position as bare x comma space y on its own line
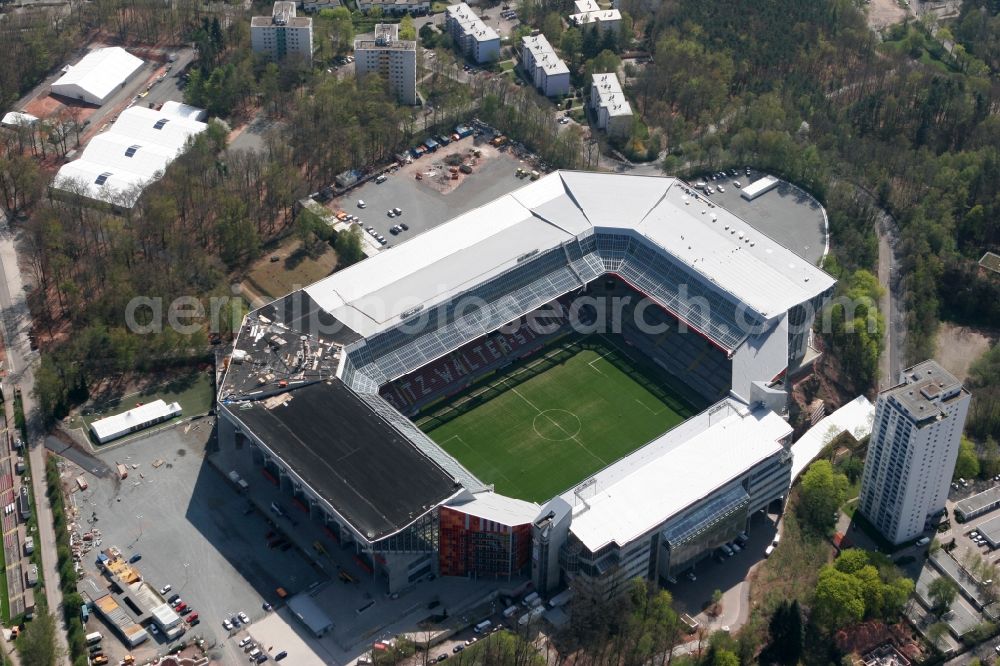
160, 123
102, 178
131, 151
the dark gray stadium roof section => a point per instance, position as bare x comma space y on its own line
374, 477
301, 313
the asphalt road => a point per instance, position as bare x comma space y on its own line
16, 324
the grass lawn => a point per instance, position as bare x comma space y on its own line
193, 391
552, 422
437, 7
293, 269
507, 65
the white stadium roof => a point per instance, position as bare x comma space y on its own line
116, 165
441, 263
855, 417
97, 75
683, 466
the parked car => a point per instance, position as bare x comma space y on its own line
227, 625
135, 558
244, 618
391, 213
173, 599
403, 227
281, 655
165, 589
361, 203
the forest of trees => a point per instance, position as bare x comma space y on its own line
807, 90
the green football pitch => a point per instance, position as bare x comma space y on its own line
538, 429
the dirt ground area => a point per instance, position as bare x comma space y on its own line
293, 268
959, 346
883, 13
434, 173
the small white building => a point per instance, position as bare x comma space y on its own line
546, 69
613, 111
759, 187
184, 111
282, 34
393, 59
478, 42
97, 76
133, 420
16, 119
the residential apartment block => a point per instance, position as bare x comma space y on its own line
282, 34
393, 59
613, 112
478, 41
545, 69
397, 7
914, 444
589, 13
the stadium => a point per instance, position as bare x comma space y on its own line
580, 381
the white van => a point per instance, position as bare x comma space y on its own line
482, 626
769, 550
94, 638
510, 611
923, 541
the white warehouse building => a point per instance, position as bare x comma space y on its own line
118, 164
546, 69
392, 59
97, 76
479, 42
612, 109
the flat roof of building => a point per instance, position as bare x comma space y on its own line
545, 56
438, 265
498, 508
979, 501
680, 468
610, 95
472, 25
586, 18
374, 477
98, 73
925, 390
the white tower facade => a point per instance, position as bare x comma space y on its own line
914, 445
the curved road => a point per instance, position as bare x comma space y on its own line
16, 324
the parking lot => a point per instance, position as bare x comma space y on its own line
726, 574
358, 605
423, 206
787, 214
193, 532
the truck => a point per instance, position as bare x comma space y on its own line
531, 600
81, 483
510, 611
93, 638
530, 616
29, 545
482, 626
